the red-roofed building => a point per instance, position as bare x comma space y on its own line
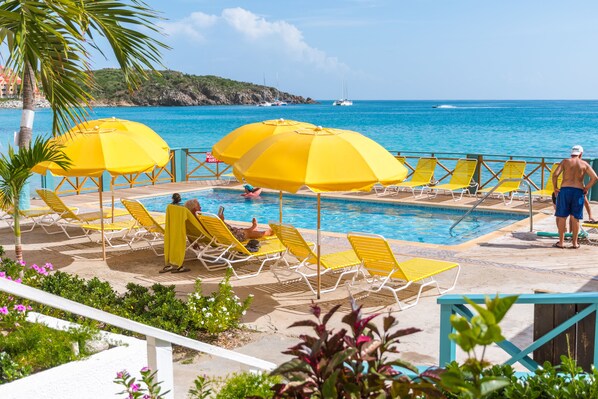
9, 83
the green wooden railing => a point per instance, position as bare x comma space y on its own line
190, 164
455, 304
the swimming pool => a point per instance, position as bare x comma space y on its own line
392, 220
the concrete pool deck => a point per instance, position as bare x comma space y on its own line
511, 260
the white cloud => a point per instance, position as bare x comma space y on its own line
290, 38
191, 26
282, 36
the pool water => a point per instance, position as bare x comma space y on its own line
391, 220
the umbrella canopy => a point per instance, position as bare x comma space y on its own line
114, 145
235, 144
324, 159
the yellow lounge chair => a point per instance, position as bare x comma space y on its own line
511, 170
384, 272
182, 233
343, 263
69, 217
548, 189
35, 215
422, 177
379, 189
150, 228
460, 180
232, 251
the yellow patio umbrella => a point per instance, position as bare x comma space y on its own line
235, 144
116, 146
322, 159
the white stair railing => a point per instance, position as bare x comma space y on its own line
159, 342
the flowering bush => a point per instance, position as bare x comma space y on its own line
219, 312
147, 388
13, 310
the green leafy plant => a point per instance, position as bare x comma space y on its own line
360, 362
147, 388
202, 388
469, 380
219, 312
247, 384
16, 168
34, 347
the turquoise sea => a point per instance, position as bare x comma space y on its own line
526, 128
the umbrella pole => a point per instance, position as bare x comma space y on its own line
318, 247
101, 188
112, 191
280, 207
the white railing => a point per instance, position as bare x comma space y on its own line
159, 342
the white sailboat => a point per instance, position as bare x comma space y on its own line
344, 101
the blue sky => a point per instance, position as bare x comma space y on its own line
390, 49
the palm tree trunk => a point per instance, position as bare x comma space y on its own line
28, 88
26, 131
17, 227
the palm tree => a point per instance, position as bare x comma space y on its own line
50, 42
16, 168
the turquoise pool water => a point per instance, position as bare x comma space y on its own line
395, 221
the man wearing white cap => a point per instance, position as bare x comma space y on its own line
571, 193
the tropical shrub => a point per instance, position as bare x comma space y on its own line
358, 362
219, 312
33, 347
248, 385
157, 306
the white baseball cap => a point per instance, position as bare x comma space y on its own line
576, 150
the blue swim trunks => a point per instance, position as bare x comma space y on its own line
570, 202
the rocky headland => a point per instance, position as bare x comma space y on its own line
171, 88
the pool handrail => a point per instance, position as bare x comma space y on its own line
159, 342
529, 192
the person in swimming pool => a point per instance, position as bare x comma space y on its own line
240, 233
571, 194
250, 191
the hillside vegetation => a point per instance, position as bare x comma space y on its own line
171, 88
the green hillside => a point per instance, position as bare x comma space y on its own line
171, 88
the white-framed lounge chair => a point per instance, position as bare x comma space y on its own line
342, 263
382, 271
31, 217
70, 217
461, 180
511, 170
231, 251
149, 228
422, 177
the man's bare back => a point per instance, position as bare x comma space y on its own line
573, 169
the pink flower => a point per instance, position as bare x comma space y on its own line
135, 387
143, 370
18, 281
4, 310
22, 262
121, 374
29, 307
20, 308
2, 274
49, 266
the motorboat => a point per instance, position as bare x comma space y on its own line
264, 104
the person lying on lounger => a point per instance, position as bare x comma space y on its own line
250, 191
241, 234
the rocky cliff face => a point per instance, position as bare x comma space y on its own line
177, 89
